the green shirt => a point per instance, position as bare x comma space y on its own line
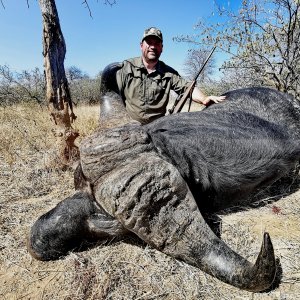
146, 94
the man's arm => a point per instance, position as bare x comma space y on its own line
199, 97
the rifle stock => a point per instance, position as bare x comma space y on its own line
186, 95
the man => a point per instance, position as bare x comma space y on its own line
145, 82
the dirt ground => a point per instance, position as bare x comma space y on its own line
128, 268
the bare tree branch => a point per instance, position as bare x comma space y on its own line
85, 3
111, 3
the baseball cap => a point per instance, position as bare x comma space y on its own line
153, 31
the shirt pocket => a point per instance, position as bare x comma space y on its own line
157, 91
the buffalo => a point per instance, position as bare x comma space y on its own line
153, 181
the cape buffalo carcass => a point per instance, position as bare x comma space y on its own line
151, 180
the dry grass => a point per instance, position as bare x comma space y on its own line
124, 269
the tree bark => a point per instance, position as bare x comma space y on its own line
57, 88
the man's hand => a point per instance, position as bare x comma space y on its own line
199, 97
213, 99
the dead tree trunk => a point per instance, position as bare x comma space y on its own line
57, 88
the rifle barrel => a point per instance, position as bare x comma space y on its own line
204, 64
180, 101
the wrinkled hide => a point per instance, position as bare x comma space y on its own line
151, 180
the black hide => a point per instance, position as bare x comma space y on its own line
227, 150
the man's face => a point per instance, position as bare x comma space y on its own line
151, 48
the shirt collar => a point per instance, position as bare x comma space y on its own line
142, 66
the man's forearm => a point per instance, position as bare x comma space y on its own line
199, 97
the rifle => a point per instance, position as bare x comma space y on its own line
181, 99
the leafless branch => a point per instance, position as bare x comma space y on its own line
111, 3
86, 4
2, 4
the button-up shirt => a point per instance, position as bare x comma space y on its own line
146, 95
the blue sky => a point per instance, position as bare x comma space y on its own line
113, 34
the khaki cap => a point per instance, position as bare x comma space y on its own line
152, 31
